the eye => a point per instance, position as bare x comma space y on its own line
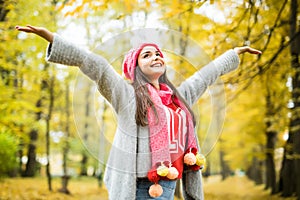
146, 55
158, 54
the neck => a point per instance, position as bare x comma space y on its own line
155, 84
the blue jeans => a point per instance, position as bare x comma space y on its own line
143, 185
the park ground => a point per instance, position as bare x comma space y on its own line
233, 188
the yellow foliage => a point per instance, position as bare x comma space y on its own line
244, 128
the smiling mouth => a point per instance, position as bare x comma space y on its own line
156, 65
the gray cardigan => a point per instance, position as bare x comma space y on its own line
130, 153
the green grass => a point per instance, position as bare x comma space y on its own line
233, 188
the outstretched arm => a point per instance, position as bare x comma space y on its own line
111, 85
194, 87
40, 31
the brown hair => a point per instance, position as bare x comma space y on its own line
143, 99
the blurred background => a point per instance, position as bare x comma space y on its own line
55, 128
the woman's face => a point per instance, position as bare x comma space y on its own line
151, 63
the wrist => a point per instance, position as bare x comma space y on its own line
46, 34
237, 50
49, 36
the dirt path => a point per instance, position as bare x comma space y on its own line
236, 188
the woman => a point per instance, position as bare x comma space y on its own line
155, 142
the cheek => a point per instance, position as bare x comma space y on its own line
144, 62
143, 69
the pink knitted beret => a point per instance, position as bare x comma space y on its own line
130, 60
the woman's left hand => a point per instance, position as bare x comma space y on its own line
40, 31
244, 49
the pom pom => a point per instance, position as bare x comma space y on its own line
189, 159
162, 170
155, 190
173, 173
153, 176
200, 160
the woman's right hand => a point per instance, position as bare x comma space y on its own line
40, 31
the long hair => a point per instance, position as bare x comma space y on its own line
143, 99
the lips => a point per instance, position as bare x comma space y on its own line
156, 65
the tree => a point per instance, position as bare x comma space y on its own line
275, 89
291, 162
295, 63
31, 164
84, 160
22, 78
246, 142
287, 182
272, 90
66, 146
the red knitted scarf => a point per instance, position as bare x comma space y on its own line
158, 125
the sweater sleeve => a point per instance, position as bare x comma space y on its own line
195, 86
110, 84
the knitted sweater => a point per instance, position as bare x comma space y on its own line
130, 155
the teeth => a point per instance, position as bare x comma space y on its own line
156, 65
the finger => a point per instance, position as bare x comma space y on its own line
19, 27
32, 27
255, 51
22, 28
251, 50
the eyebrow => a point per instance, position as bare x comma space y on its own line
149, 52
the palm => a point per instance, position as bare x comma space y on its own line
246, 49
40, 31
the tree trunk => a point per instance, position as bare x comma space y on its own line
286, 181
84, 160
20, 155
254, 172
289, 182
295, 119
271, 136
3, 10
270, 165
50, 109
225, 170
31, 155
65, 177
33, 137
